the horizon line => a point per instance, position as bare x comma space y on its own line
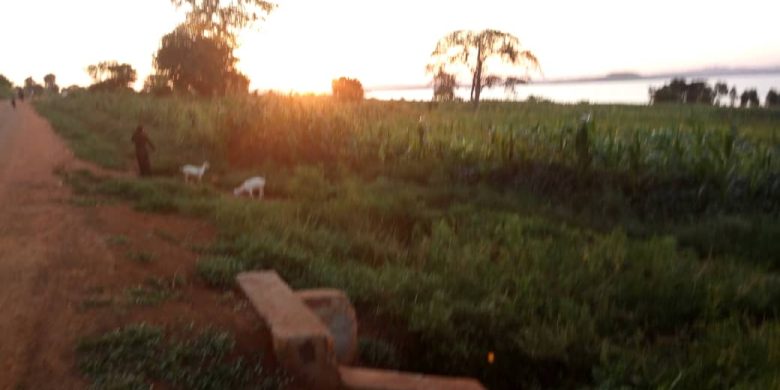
611, 76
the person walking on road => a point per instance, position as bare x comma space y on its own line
141, 141
13, 102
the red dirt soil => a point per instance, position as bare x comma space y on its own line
64, 269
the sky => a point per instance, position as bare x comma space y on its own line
304, 44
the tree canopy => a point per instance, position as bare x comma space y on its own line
721, 89
4, 82
111, 75
491, 57
6, 87
444, 85
158, 85
680, 91
749, 98
196, 63
50, 83
32, 88
347, 89
733, 96
197, 57
772, 99
223, 19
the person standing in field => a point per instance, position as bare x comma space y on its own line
141, 141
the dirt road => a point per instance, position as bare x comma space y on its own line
48, 256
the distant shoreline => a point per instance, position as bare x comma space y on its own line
621, 76
704, 73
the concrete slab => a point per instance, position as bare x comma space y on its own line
337, 313
302, 344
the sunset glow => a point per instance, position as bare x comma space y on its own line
303, 45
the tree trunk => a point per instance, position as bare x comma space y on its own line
476, 84
473, 83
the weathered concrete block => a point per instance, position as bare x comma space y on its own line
302, 343
371, 379
336, 311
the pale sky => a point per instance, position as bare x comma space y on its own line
304, 44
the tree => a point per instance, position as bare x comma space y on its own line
721, 89
32, 88
222, 19
680, 91
5, 83
71, 90
158, 85
749, 98
50, 83
772, 99
733, 96
444, 85
6, 87
200, 64
491, 57
347, 89
111, 75
197, 57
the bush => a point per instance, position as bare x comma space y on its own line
347, 89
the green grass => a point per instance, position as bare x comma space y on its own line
142, 355
154, 291
595, 263
378, 353
221, 271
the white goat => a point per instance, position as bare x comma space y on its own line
251, 185
194, 171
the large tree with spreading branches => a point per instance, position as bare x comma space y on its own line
198, 56
223, 19
491, 57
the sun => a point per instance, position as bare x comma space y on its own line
284, 74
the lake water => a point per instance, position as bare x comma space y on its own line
630, 91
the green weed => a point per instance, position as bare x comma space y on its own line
490, 236
136, 356
154, 291
221, 271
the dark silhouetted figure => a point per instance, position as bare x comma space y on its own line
141, 141
13, 102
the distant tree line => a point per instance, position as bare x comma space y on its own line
111, 76
6, 87
699, 92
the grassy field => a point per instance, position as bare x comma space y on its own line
639, 250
